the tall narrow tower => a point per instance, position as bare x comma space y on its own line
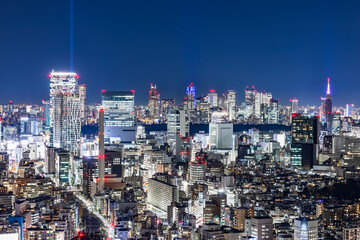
154, 99
101, 157
65, 105
328, 107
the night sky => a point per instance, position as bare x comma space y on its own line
288, 48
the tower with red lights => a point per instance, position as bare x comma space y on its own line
153, 105
65, 111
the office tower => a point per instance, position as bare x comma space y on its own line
189, 100
82, 94
166, 105
294, 105
349, 112
262, 228
328, 108
322, 110
304, 140
173, 127
101, 157
220, 133
153, 105
273, 112
65, 121
29, 126
119, 116
305, 229
198, 167
336, 124
231, 104
212, 98
46, 108
262, 101
160, 195
184, 123
185, 149
118, 107
250, 96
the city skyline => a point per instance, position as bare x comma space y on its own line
184, 44
179, 120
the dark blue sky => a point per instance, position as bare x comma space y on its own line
286, 47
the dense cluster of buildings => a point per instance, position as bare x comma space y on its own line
209, 168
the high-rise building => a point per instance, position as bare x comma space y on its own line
173, 127
118, 107
220, 133
82, 94
198, 168
304, 140
189, 100
305, 229
231, 104
336, 124
65, 119
294, 105
101, 157
322, 110
349, 112
328, 108
262, 101
153, 106
212, 98
273, 112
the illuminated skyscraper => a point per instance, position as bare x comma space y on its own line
118, 107
273, 112
153, 105
328, 108
304, 140
250, 100
212, 98
349, 110
65, 120
294, 105
198, 168
189, 100
231, 104
82, 94
322, 110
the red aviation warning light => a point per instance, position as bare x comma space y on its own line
77, 76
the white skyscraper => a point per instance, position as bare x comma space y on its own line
231, 104
349, 110
82, 94
65, 114
212, 98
